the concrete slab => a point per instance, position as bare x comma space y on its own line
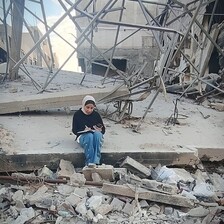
30, 140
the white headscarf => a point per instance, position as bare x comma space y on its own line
86, 98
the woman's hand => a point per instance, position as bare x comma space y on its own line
87, 128
97, 128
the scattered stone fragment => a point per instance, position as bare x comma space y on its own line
198, 212
81, 207
38, 195
96, 177
117, 204
144, 204
136, 167
65, 189
77, 179
25, 215
66, 168
73, 199
128, 208
130, 191
94, 202
103, 209
168, 210
158, 186
18, 196
81, 192
105, 171
155, 209
45, 172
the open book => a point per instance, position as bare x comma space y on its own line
85, 131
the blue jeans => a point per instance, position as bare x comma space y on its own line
92, 143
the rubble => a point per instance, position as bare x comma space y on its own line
126, 197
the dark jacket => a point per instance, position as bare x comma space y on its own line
81, 120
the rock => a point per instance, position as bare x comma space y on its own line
64, 214
13, 212
117, 204
38, 195
89, 215
45, 172
105, 171
155, 209
144, 204
96, 177
198, 212
18, 196
66, 168
103, 209
81, 207
81, 192
97, 219
136, 167
168, 211
128, 208
25, 215
77, 179
65, 189
73, 199
94, 202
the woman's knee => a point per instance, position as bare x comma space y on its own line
98, 135
86, 138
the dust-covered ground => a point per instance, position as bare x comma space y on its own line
49, 131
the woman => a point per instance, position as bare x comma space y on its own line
88, 127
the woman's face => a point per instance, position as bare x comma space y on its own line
89, 108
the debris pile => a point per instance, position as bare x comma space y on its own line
131, 193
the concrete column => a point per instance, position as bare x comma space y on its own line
17, 27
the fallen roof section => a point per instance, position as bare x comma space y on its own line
56, 100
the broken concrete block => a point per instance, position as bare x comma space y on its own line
144, 204
81, 207
168, 210
94, 202
73, 199
65, 189
25, 215
103, 209
81, 192
66, 168
13, 212
19, 205
96, 177
136, 167
38, 195
105, 171
155, 209
18, 196
128, 208
64, 214
89, 215
3, 191
77, 179
198, 212
130, 191
158, 186
117, 204
99, 219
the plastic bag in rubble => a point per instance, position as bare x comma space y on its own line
204, 190
165, 175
